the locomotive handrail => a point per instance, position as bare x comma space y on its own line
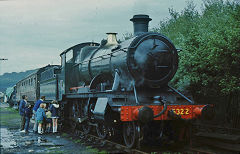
175, 90
135, 94
115, 51
141, 40
164, 109
145, 36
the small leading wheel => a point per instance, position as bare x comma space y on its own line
86, 127
101, 130
130, 134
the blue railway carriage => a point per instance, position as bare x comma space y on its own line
30, 85
48, 83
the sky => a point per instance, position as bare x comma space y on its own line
33, 33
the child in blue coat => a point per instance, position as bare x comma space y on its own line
40, 116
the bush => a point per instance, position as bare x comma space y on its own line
210, 60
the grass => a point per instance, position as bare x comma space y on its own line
64, 134
92, 150
9, 117
77, 141
6, 109
103, 152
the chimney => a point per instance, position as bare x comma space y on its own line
111, 39
140, 23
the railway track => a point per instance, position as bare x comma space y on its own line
221, 139
93, 141
202, 144
195, 150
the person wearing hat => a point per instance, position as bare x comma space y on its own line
54, 110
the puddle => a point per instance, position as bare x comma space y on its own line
7, 139
12, 141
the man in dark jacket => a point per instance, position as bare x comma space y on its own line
35, 108
22, 105
28, 113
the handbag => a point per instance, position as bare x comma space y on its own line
49, 114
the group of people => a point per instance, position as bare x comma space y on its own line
43, 116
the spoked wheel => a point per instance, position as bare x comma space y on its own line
130, 134
102, 130
74, 115
86, 127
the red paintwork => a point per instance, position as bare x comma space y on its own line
130, 113
76, 88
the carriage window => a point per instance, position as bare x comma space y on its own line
69, 55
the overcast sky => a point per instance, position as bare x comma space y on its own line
34, 32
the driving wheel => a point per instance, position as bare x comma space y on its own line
130, 134
101, 130
86, 127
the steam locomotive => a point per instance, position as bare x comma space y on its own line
121, 88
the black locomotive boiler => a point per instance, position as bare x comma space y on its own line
121, 89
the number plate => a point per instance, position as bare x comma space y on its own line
185, 111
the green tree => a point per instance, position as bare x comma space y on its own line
210, 60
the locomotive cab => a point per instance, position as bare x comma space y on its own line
71, 59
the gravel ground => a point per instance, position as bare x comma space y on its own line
12, 141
